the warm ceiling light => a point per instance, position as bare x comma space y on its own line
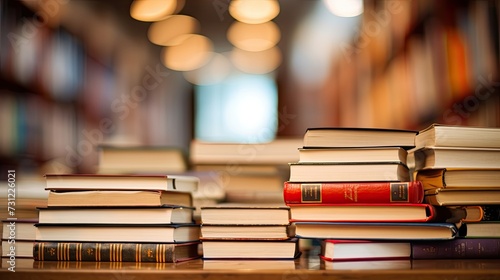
213, 72
256, 62
254, 37
190, 54
170, 31
345, 8
152, 10
254, 11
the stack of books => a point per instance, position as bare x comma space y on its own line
351, 189
234, 231
129, 218
459, 167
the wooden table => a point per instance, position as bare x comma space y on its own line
307, 267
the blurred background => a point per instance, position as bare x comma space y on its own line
78, 73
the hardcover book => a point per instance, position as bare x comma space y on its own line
348, 250
358, 137
456, 157
246, 232
115, 252
22, 248
118, 198
440, 135
457, 197
375, 154
353, 192
484, 229
167, 233
165, 214
237, 214
251, 249
344, 172
375, 231
458, 248
459, 178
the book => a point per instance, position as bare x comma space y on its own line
353, 192
484, 229
19, 229
114, 159
118, 198
375, 231
348, 250
379, 264
459, 178
247, 232
354, 172
440, 135
253, 264
358, 137
251, 249
237, 214
456, 157
280, 151
167, 233
372, 213
18, 249
165, 214
369, 154
444, 197
458, 248
115, 252
65, 182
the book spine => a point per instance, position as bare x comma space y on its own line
459, 248
106, 252
334, 193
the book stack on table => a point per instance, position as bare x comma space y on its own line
459, 167
129, 218
236, 232
351, 189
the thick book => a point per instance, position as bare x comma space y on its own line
373, 213
17, 248
353, 192
167, 233
459, 178
458, 248
349, 172
114, 159
349, 250
375, 231
165, 214
375, 154
118, 198
251, 249
456, 157
115, 252
440, 135
238, 214
246, 232
19, 229
483, 229
358, 137
66, 182
456, 197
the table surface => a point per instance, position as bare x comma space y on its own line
308, 267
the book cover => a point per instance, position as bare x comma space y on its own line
458, 248
353, 192
348, 250
115, 252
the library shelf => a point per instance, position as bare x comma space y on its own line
308, 267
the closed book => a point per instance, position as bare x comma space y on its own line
19, 229
375, 231
373, 212
241, 214
348, 250
484, 229
17, 248
459, 178
456, 157
440, 135
458, 248
115, 252
246, 232
358, 137
251, 249
136, 233
353, 192
370, 154
462, 197
349, 172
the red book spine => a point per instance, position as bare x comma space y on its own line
362, 192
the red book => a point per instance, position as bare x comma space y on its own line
355, 192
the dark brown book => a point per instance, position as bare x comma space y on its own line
459, 248
115, 252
